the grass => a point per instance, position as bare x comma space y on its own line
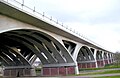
106, 67
104, 72
110, 66
38, 70
108, 77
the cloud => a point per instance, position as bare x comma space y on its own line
98, 20
87, 11
104, 34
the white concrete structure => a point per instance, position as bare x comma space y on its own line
24, 36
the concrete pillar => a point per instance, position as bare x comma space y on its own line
59, 69
77, 49
108, 57
76, 68
95, 52
18, 71
75, 55
111, 59
100, 60
103, 58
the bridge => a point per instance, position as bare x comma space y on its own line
25, 35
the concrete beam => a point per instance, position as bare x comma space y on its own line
59, 65
18, 67
14, 12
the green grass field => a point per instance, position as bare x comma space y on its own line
104, 72
106, 67
108, 77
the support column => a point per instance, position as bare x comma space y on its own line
108, 58
76, 68
18, 71
103, 58
112, 58
75, 55
95, 52
59, 69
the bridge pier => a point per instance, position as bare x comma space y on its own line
87, 65
106, 61
58, 70
18, 71
100, 63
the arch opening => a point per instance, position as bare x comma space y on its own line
85, 58
27, 44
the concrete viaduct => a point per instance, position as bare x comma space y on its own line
24, 36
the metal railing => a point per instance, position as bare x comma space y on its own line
43, 16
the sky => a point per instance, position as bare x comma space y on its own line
98, 20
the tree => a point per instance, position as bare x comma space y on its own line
117, 58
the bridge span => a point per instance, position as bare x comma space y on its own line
24, 36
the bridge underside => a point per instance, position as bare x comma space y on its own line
20, 48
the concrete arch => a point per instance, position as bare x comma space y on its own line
18, 47
20, 26
85, 58
90, 53
4, 62
11, 62
30, 40
28, 45
16, 55
62, 49
105, 55
99, 55
85, 54
37, 42
70, 46
100, 58
53, 45
41, 48
105, 58
6, 51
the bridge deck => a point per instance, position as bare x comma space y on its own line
24, 16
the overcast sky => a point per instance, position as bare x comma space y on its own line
98, 20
